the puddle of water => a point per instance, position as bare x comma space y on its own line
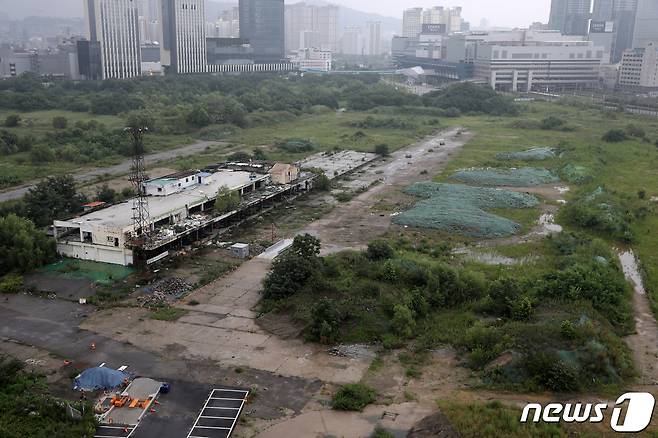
547, 222
632, 271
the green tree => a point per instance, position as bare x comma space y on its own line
12, 120
106, 194
325, 322
306, 246
41, 154
60, 122
227, 200
379, 250
56, 197
22, 246
199, 117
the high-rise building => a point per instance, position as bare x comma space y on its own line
450, 17
351, 41
639, 67
301, 18
603, 10
262, 23
183, 43
646, 23
113, 27
412, 22
571, 17
374, 38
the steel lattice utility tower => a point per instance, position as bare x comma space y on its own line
138, 177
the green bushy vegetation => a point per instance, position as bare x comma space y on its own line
493, 420
28, 410
353, 397
392, 294
22, 248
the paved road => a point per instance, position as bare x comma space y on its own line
118, 169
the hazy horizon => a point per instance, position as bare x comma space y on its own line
502, 13
513, 13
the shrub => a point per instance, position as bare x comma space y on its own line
552, 123
227, 200
615, 136
11, 284
550, 372
567, 330
325, 322
601, 285
382, 149
353, 397
12, 121
379, 250
322, 183
403, 322
635, 131
382, 433
60, 122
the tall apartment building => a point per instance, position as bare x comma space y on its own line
646, 23
113, 29
639, 67
262, 23
412, 22
450, 17
351, 41
571, 17
183, 43
374, 46
302, 18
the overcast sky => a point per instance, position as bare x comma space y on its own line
509, 13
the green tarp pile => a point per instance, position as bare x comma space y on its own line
534, 154
462, 209
523, 177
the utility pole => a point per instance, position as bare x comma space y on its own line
138, 178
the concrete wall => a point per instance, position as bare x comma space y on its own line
84, 251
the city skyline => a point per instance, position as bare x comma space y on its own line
519, 13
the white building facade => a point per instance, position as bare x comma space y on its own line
183, 42
639, 67
374, 47
114, 24
539, 66
412, 22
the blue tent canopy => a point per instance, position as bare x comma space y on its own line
99, 378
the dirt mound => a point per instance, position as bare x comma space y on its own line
433, 426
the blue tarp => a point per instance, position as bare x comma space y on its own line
99, 378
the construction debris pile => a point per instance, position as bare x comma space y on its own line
533, 154
461, 209
164, 292
523, 177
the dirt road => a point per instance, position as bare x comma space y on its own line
117, 169
353, 224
